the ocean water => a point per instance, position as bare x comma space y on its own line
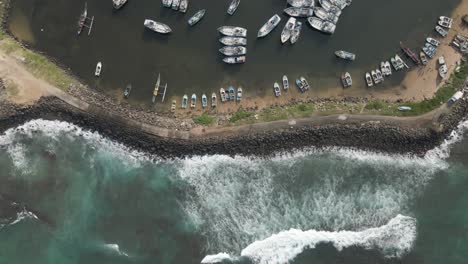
71, 196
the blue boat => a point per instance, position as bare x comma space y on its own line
232, 93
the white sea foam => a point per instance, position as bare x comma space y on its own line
216, 258
115, 248
23, 214
443, 151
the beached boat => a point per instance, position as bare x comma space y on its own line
285, 82
173, 105
175, 4
269, 26
306, 84
157, 26
443, 71
301, 3
167, 3
183, 6
296, 32
276, 89
232, 93
423, 58
429, 50
233, 50
319, 24
197, 17
369, 80
193, 101
345, 55
433, 42
287, 30
299, 11
223, 95
214, 100
97, 72
441, 31
445, 22
204, 100
233, 7
233, 41
388, 68
379, 75
233, 31
234, 60
325, 15
410, 53
404, 108
184, 101
399, 61
346, 80
156, 88
128, 90
300, 85
441, 60
118, 3
374, 77
239, 94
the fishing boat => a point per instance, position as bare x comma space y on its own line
127, 90
443, 71
388, 68
374, 77
233, 31
276, 89
222, 94
404, 108
156, 88
167, 3
399, 61
204, 100
183, 6
329, 7
173, 105
97, 73
118, 3
197, 17
239, 94
345, 55
233, 50
300, 85
82, 20
301, 3
319, 24
423, 58
175, 4
287, 30
233, 7
299, 11
441, 31
369, 80
346, 80
233, 41
410, 53
285, 82
232, 93
445, 22
379, 75
269, 26
193, 101
433, 42
184, 101
157, 26
296, 32
325, 15
214, 101
234, 60
306, 84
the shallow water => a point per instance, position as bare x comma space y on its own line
71, 196
189, 60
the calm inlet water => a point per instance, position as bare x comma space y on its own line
71, 196
189, 60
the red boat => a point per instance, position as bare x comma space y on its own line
410, 53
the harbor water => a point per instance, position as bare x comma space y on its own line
188, 59
72, 196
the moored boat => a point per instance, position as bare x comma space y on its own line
374, 77
184, 101
156, 88
127, 90
329, 7
324, 15
167, 3
204, 100
296, 32
157, 26
234, 60
423, 58
233, 31
268, 26
433, 42
445, 22
319, 24
233, 41
388, 68
196, 17
214, 101
300, 85
306, 84
369, 80
175, 4
410, 53
232, 93
285, 82
379, 75
301, 3
183, 6
287, 30
346, 80
97, 72
443, 71
345, 55
233, 50
193, 101
233, 7
299, 11
441, 31
222, 94
239, 94
276, 89
118, 3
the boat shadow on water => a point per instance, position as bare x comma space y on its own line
149, 36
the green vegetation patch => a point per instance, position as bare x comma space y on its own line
204, 119
241, 115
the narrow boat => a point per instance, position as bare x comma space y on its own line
156, 88
345, 55
301, 3
404, 108
233, 31
441, 31
233, 41
222, 94
118, 3
374, 77
443, 71
82, 20
410, 53
234, 60
325, 15
167, 3
183, 6
157, 26
233, 7
423, 58
296, 32
197, 17
175, 4
173, 105
233, 50
184, 101
127, 90
300, 85
214, 100
269, 26
287, 30
204, 100
232, 93
276, 89
306, 84
299, 11
239, 94
97, 72
379, 75
285, 82
319, 24
369, 80
346, 80
433, 42
193, 101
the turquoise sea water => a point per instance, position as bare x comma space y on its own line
71, 196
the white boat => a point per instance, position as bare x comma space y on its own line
175, 4
223, 95
204, 100
233, 7
443, 71
444, 24
183, 6
296, 32
197, 17
388, 68
423, 58
301, 3
433, 42
345, 55
232, 93
369, 80
287, 30
193, 101
404, 108
341, 4
305, 83
399, 61
299, 11
441, 31
233, 41
325, 15
233, 31
173, 105
184, 101
157, 26
234, 60
214, 101
379, 75
346, 80
239, 94
118, 3
374, 77
276, 89
285, 82
156, 88
233, 50
441, 60
300, 85
319, 24
329, 7
269, 26
97, 73
167, 3
445, 21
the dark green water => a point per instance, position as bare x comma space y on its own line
189, 60
99, 202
